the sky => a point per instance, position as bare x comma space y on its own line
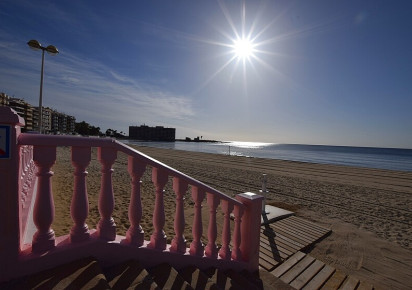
318, 72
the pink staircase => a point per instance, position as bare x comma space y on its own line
28, 197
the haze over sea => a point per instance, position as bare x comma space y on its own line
371, 157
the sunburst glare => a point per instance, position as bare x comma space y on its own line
243, 48
244, 44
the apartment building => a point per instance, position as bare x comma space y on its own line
52, 121
4, 99
62, 123
146, 133
25, 110
46, 120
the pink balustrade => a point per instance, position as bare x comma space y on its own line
239, 248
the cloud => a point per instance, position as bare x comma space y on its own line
88, 89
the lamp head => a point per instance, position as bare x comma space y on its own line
34, 44
51, 49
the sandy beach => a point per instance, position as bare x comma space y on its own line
368, 210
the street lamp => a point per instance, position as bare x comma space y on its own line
51, 49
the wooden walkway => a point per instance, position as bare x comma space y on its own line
281, 243
282, 239
302, 271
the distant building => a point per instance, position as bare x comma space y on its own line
52, 121
146, 133
62, 123
46, 120
25, 110
4, 99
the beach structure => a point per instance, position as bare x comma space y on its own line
28, 243
146, 133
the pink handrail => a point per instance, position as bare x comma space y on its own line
51, 140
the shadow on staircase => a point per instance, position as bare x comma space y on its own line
87, 274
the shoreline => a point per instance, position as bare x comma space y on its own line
349, 156
368, 210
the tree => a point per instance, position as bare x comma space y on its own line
84, 128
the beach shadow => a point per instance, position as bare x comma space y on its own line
270, 234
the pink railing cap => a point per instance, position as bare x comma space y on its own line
10, 116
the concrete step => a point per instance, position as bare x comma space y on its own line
129, 275
80, 274
168, 277
197, 279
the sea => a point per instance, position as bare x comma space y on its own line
371, 157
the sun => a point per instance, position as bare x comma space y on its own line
243, 48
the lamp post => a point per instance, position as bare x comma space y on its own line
51, 49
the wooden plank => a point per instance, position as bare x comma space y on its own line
281, 246
293, 235
286, 226
365, 286
313, 226
278, 256
290, 241
292, 232
272, 252
280, 270
309, 223
298, 268
301, 231
293, 246
301, 224
307, 275
304, 228
350, 283
335, 280
320, 278
296, 229
268, 258
266, 265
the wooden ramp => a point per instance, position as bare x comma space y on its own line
282, 239
302, 271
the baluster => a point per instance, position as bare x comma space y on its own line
179, 241
158, 238
106, 228
236, 254
224, 252
135, 233
43, 214
211, 249
79, 208
196, 247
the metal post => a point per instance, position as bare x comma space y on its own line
41, 94
264, 192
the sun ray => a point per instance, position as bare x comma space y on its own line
228, 18
205, 83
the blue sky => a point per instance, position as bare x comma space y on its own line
322, 72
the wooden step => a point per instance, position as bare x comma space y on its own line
301, 271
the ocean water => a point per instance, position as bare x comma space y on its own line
371, 157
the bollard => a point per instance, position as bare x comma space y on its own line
263, 192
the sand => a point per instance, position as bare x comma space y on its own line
368, 210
